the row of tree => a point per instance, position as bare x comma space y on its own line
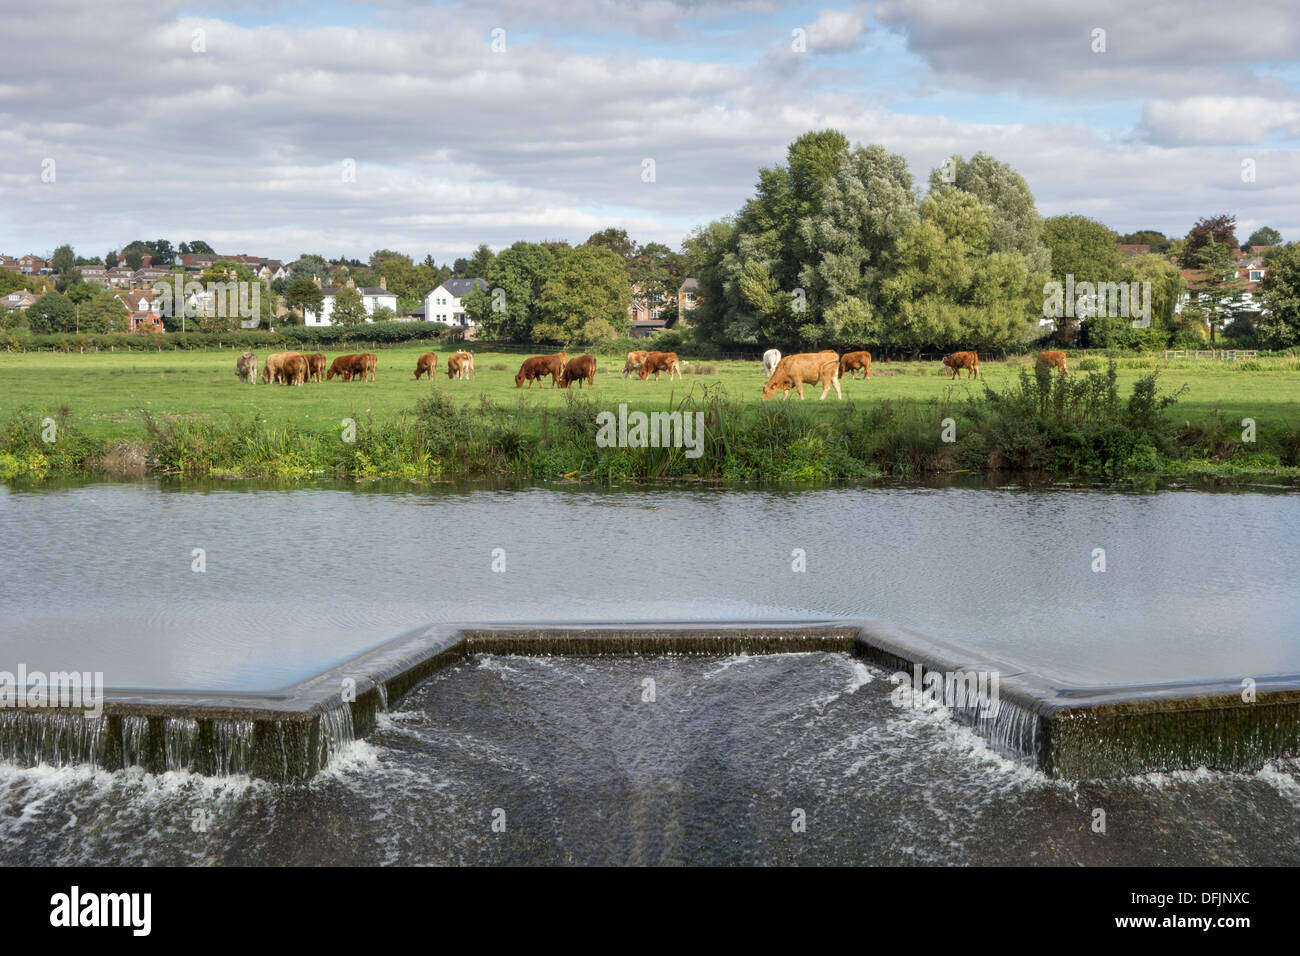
839, 247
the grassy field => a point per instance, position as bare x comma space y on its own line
106, 393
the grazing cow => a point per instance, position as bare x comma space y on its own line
793, 371
1054, 359
538, 367
316, 367
351, 366
575, 370
856, 360
771, 359
274, 368
459, 365
634, 360
963, 360
660, 362
369, 362
246, 368
426, 364
294, 368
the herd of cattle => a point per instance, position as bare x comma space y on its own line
828, 367
784, 373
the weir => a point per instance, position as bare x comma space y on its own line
291, 734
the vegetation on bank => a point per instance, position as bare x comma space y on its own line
1031, 421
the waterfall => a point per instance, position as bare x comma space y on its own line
53, 737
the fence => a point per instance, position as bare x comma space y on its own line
1223, 355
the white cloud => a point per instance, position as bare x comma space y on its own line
1219, 120
456, 145
835, 31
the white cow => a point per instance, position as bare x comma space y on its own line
771, 359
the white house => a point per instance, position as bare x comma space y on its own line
372, 298
443, 304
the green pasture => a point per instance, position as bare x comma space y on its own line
107, 392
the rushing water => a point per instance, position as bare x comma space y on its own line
103, 577
582, 768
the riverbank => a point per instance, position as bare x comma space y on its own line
186, 414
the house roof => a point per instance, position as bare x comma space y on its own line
689, 284
1134, 248
463, 287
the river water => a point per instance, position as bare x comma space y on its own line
786, 759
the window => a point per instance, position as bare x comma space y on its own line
1256, 275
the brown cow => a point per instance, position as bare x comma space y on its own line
294, 369
246, 368
856, 360
274, 368
316, 367
459, 365
350, 366
807, 367
660, 362
426, 364
963, 360
1054, 359
538, 367
369, 362
634, 360
575, 370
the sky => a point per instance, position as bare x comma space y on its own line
280, 127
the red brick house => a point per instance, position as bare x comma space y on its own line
142, 314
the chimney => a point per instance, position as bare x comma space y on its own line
316, 279
383, 283
351, 283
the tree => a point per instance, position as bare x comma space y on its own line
102, 312
1279, 324
1166, 287
1083, 248
950, 291
349, 308
800, 265
111, 260
133, 258
10, 281
481, 262
1017, 226
305, 296
310, 267
1263, 236
79, 292
52, 312
519, 272
850, 245
64, 260
383, 313
1220, 229
584, 298
657, 273
615, 240
199, 247
1218, 284
1157, 241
